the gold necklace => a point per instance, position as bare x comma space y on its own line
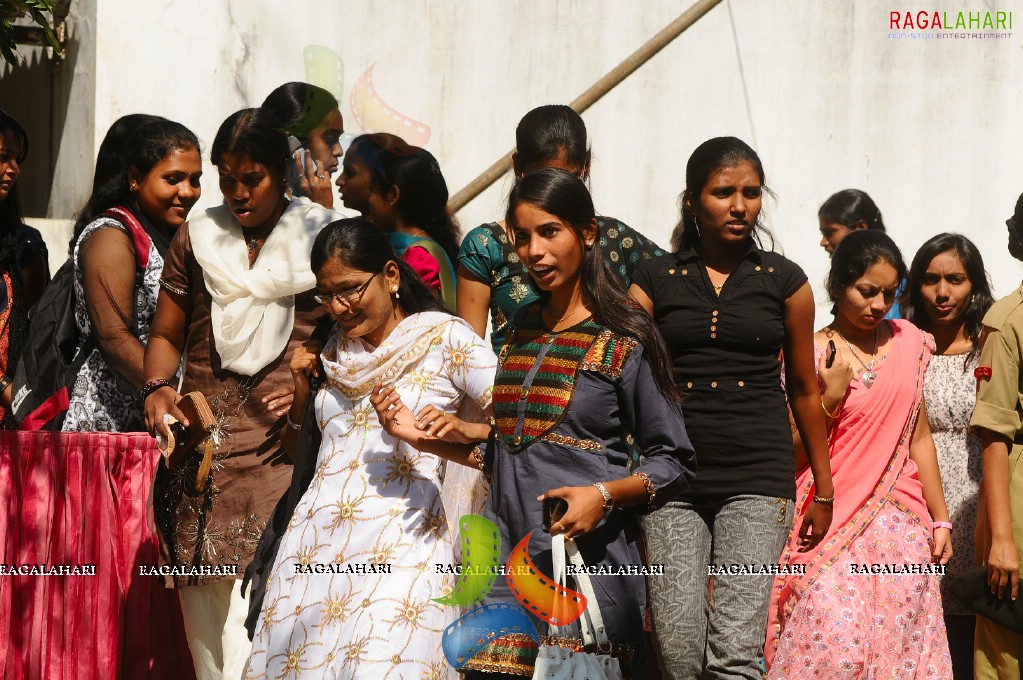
584, 308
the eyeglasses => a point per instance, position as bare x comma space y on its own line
351, 296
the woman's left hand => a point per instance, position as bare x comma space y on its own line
279, 401
585, 509
942, 551
396, 418
814, 526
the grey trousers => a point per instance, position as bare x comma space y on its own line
721, 635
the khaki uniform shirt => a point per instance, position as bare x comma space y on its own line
999, 409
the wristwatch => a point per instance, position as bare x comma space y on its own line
609, 502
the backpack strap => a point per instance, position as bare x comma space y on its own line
137, 232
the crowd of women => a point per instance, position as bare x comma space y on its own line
667, 407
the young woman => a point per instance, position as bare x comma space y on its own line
996, 418
372, 499
236, 294
727, 309
492, 281
583, 375
157, 184
24, 272
833, 618
311, 115
947, 295
401, 190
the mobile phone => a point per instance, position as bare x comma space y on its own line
553, 510
294, 177
830, 354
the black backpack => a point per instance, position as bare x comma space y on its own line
49, 363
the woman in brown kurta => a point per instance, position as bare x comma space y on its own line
236, 297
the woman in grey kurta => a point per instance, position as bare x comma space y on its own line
584, 379
607, 401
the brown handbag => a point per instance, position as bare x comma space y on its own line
201, 431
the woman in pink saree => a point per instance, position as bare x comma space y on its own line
867, 604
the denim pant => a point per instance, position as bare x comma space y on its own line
720, 636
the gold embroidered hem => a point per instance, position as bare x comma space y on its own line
651, 490
172, 288
514, 654
587, 444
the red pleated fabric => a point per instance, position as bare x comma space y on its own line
79, 499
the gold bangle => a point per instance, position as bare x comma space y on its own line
823, 501
831, 414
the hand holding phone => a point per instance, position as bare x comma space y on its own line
553, 510
829, 354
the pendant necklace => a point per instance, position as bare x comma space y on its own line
870, 375
252, 245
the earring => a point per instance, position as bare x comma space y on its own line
394, 290
589, 245
133, 185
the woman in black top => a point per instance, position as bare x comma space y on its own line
727, 310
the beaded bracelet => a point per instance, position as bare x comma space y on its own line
941, 525
823, 500
291, 423
152, 386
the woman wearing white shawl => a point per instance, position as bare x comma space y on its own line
236, 295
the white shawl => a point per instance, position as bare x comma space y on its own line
253, 310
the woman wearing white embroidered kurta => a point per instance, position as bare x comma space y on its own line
236, 295
350, 593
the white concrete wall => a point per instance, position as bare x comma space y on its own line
930, 128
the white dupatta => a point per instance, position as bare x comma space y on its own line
253, 310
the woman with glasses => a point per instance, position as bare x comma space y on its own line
236, 297
351, 592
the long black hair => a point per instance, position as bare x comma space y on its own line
10, 208
422, 191
855, 254
565, 196
707, 159
550, 131
150, 142
356, 243
300, 107
912, 304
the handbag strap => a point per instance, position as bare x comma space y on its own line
591, 623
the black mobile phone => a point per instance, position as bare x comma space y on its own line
553, 510
180, 433
830, 354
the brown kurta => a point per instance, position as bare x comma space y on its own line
250, 471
